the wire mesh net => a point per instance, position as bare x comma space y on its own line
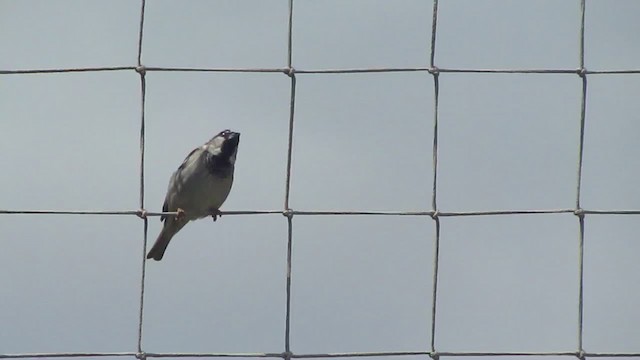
289, 213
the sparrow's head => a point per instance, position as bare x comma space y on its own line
225, 145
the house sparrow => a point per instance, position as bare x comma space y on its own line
198, 188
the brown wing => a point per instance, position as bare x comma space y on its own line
165, 206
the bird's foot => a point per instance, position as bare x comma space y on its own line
179, 214
215, 213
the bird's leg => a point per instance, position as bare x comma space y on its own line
215, 213
180, 214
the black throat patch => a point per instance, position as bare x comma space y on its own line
218, 165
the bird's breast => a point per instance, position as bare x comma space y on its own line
200, 192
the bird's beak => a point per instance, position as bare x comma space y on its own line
234, 138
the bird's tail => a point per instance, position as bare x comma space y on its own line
169, 229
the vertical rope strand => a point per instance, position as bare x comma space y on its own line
434, 295
292, 107
290, 71
434, 22
579, 212
287, 329
434, 190
143, 91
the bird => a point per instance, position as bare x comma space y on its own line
198, 187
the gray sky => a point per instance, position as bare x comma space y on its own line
362, 142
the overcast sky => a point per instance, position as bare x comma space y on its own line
70, 141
